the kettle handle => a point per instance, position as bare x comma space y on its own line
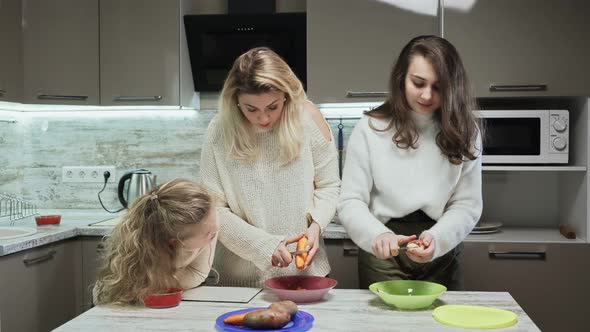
121, 186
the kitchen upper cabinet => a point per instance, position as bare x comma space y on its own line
549, 281
11, 75
523, 48
40, 288
139, 52
352, 44
60, 43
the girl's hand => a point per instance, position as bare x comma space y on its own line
425, 255
313, 242
387, 244
281, 257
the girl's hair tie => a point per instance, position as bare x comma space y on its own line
153, 197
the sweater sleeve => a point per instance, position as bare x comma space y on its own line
462, 210
357, 183
198, 269
326, 179
236, 234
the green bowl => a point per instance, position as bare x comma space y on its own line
408, 294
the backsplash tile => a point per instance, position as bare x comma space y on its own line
35, 149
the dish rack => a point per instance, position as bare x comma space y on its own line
14, 208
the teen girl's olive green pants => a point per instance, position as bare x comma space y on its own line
445, 270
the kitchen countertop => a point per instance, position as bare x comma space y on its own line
76, 223
342, 310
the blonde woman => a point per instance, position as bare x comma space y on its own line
270, 159
166, 240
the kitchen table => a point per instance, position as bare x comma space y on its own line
342, 310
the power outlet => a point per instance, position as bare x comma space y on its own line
87, 173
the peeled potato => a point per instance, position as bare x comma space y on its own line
415, 244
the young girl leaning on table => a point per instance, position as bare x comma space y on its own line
166, 240
413, 168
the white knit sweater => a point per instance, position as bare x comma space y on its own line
263, 203
381, 181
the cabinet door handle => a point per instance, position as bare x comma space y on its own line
2, 92
42, 258
61, 97
138, 98
350, 250
517, 87
365, 94
540, 255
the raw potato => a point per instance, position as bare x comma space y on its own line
287, 306
267, 319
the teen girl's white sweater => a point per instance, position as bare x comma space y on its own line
262, 203
381, 181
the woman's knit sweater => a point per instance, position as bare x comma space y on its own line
263, 203
381, 181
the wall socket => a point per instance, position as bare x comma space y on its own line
87, 173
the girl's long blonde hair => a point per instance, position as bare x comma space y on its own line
139, 258
257, 71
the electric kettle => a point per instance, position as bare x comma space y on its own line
141, 181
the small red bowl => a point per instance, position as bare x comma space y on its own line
165, 300
47, 220
300, 289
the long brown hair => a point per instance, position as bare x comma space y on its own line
458, 126
257, 71
139, 258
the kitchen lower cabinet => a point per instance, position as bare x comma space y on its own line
549, 281
343, 257
40, 288
92, 248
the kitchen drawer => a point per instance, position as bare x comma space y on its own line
549, 281
343, 257
41, 287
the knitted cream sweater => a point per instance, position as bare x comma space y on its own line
381, 181
263, 203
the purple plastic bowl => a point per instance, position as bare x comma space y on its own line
300, 289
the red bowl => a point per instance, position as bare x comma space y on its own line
47, 220
300, 289
165, 300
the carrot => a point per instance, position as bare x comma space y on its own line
301, 258
235, 319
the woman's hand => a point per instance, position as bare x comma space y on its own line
423, 255
387, 244
281, 257
313, 242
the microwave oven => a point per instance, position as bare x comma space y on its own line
525, 136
